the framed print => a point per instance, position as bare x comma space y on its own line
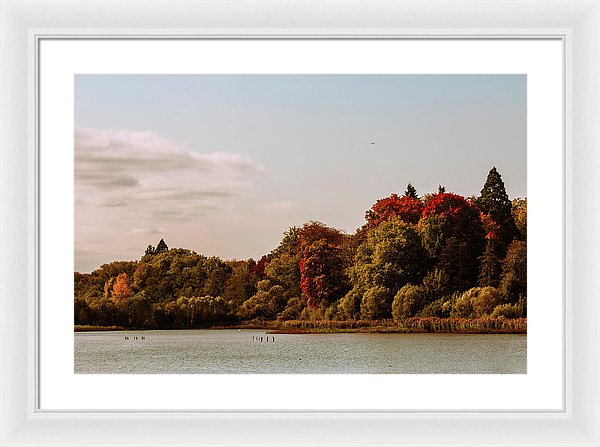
169, 331
237, 133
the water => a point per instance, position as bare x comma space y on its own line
235, 352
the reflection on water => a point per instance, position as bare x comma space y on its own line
242, 352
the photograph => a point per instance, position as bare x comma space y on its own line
300, 224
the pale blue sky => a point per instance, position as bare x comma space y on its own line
150, 159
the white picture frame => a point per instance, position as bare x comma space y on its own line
25, 22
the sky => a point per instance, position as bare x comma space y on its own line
224, 164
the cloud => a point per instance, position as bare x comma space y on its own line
120, 157
148, 230
283, 206
124, 168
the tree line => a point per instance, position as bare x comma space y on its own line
440, 255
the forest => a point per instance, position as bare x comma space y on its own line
439, 261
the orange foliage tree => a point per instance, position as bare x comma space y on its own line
121, 289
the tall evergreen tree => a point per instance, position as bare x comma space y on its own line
161, 247
441, 189
411, 192
494, 201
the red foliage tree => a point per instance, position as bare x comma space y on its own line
322, 276
259, 267
324, 258
407, 208
447, 205
314, 231
462, 215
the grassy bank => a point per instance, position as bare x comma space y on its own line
86, 328
410, 325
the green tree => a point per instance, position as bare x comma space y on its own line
178, 272
494, 201
217, 273
240, 285
284, 270
290, 243
519, 212
108, 285
411, 192
477, 302
490, 267
435, 231
283, 266
82, 312
409, 300
513, 284
349, 305
437, 284
292, 310
507, 311
376, 304
462, 306
485, 301
459, 262
138, 310
439, 308
268, 301
392, 256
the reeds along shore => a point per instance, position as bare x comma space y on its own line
414, 325
89, 328
410, 325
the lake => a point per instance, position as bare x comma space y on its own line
235, 351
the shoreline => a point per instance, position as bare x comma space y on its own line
408, 326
